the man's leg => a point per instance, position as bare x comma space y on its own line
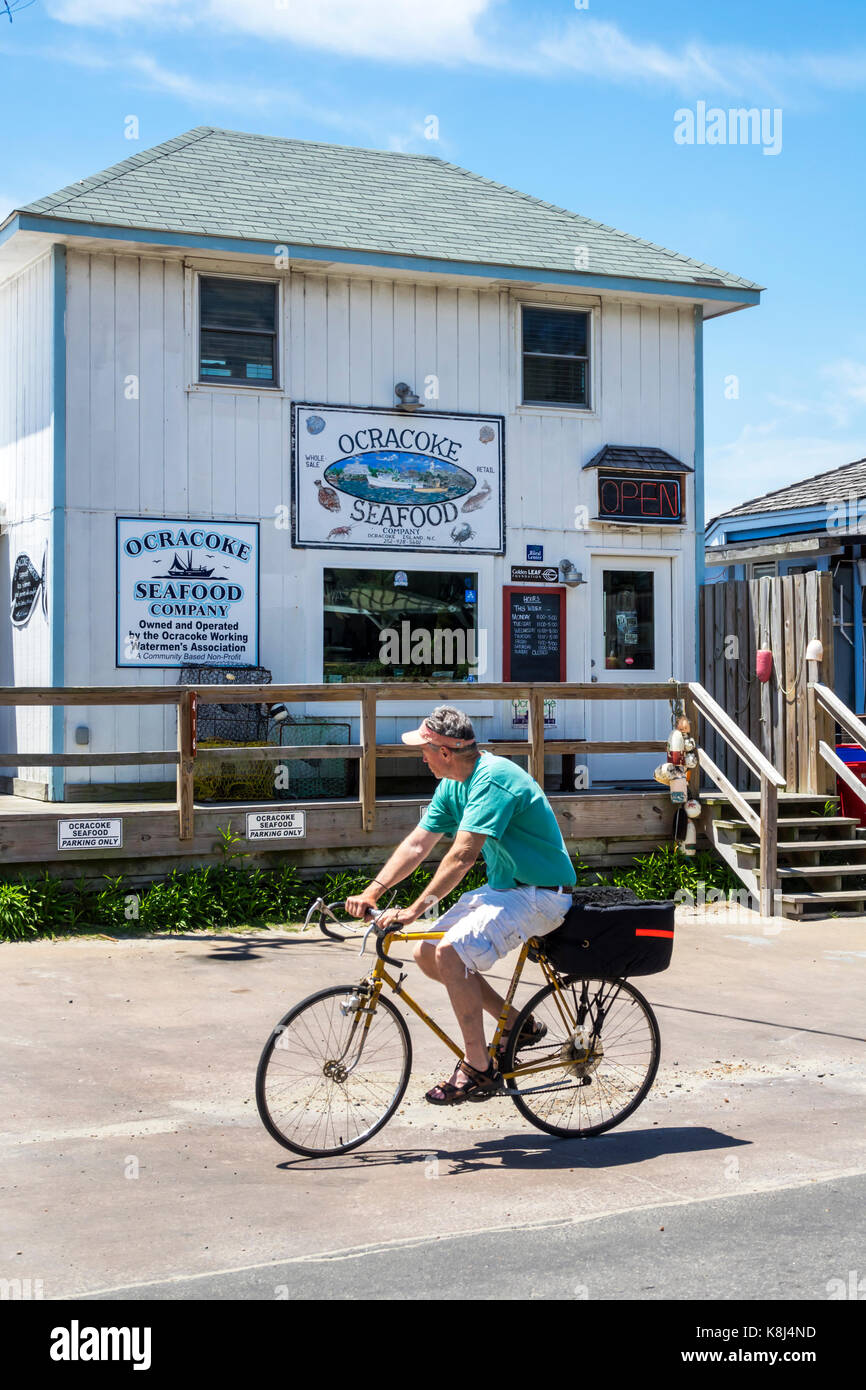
491, 1002
464, 991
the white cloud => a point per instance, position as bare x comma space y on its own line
843, 397
485, 33
441, 31
763, 458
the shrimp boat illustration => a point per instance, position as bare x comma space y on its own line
180, 570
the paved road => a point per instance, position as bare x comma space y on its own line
134, 1161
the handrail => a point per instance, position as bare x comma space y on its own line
853, 726
841, 769
766, 827
743, 746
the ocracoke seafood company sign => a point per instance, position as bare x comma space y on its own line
368, 479
187, 592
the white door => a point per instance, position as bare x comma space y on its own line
631, 603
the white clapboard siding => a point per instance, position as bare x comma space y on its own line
180, 450
27, 494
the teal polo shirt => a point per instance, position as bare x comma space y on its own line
524, 843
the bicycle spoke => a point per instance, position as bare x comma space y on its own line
329, 1079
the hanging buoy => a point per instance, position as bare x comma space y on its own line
763, 664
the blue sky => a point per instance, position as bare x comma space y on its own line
573, 104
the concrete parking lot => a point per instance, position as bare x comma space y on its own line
135, 1165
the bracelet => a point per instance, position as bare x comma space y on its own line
380, 883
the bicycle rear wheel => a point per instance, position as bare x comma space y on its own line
332, 1073
596, 1063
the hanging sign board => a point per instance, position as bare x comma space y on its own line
187, 593
651, 499
95, 833
366, 479
276, 825
534, 637
27, 584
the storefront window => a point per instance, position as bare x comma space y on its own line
629, 636
386, 625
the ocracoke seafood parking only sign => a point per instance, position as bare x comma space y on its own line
367, 479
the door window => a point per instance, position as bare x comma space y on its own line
629, 620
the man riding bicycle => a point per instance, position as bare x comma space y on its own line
492, 807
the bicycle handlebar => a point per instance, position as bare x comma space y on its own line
381, 932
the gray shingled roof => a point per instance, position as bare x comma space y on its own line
835, 486
227, 183
637, 458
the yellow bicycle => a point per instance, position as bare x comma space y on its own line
336, 1066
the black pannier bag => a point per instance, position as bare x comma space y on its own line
609, 933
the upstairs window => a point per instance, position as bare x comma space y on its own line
237, 331
555, 357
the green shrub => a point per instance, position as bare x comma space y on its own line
228, 894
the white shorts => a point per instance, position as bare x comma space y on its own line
484, 925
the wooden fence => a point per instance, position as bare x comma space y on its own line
780, 716
186, 699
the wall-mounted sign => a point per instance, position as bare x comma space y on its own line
94, 833
535, 552
383, 480
27, 585
187, 593
534, 637
534, 574
276, 825
656, 498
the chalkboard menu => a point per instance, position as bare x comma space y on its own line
534, 645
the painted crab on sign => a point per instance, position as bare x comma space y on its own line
461, 534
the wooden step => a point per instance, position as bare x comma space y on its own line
818, 820
841, 895
719, 798
804, 846
814, 820
820, 870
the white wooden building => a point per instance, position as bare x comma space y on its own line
169, 325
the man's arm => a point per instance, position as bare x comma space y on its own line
451, 871
405, 859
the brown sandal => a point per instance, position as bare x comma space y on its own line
480, 1085
531, 1032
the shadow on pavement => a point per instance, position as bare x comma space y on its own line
520, 1151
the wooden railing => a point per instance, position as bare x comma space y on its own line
772, 782
186, 700
848, 721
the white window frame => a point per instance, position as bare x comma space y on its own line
482, 565
592, 308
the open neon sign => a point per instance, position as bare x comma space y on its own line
648, 499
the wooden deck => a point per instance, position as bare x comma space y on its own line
600, 827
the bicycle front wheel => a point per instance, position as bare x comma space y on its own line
333, 1071
596, 1062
